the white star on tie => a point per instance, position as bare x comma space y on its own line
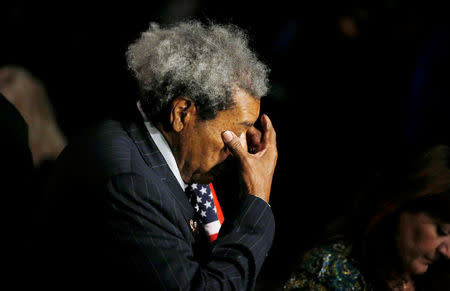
199, 199
207, 204
196, 207
203, 190
194, 186
215, 209
211, 196
203, 213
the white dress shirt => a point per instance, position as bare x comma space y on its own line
163, 147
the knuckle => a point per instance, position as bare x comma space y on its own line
245, 160
272, 138
235, 144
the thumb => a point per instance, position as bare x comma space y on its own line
233, 143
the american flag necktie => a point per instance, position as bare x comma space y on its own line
204, 200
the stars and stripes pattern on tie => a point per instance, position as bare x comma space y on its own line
204, 200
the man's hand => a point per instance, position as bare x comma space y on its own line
257, 163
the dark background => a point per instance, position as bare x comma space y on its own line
354, 83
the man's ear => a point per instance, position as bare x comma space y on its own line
182, 112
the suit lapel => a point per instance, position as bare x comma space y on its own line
155, 160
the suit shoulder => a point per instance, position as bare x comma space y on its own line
104, 130
105, 146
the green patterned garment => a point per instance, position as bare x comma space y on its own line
328, 268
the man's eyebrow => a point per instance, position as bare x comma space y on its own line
247, 123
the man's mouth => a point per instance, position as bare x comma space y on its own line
428, 260
217, 170
220, 168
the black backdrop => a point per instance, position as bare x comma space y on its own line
339, 100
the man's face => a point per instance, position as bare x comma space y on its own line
421, 240
202, 148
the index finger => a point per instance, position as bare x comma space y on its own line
269, 136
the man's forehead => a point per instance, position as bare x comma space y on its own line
246, 113
246, 102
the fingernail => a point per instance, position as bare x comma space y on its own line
227, 136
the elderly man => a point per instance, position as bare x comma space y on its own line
118, 212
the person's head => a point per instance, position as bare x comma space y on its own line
417, 220
423, 233
197, 81
29, 96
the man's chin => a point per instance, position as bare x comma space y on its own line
204, 178
419, 268
211, 175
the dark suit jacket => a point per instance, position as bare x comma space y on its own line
17, 195
117, 216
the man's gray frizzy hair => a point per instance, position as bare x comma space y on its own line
202, 62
